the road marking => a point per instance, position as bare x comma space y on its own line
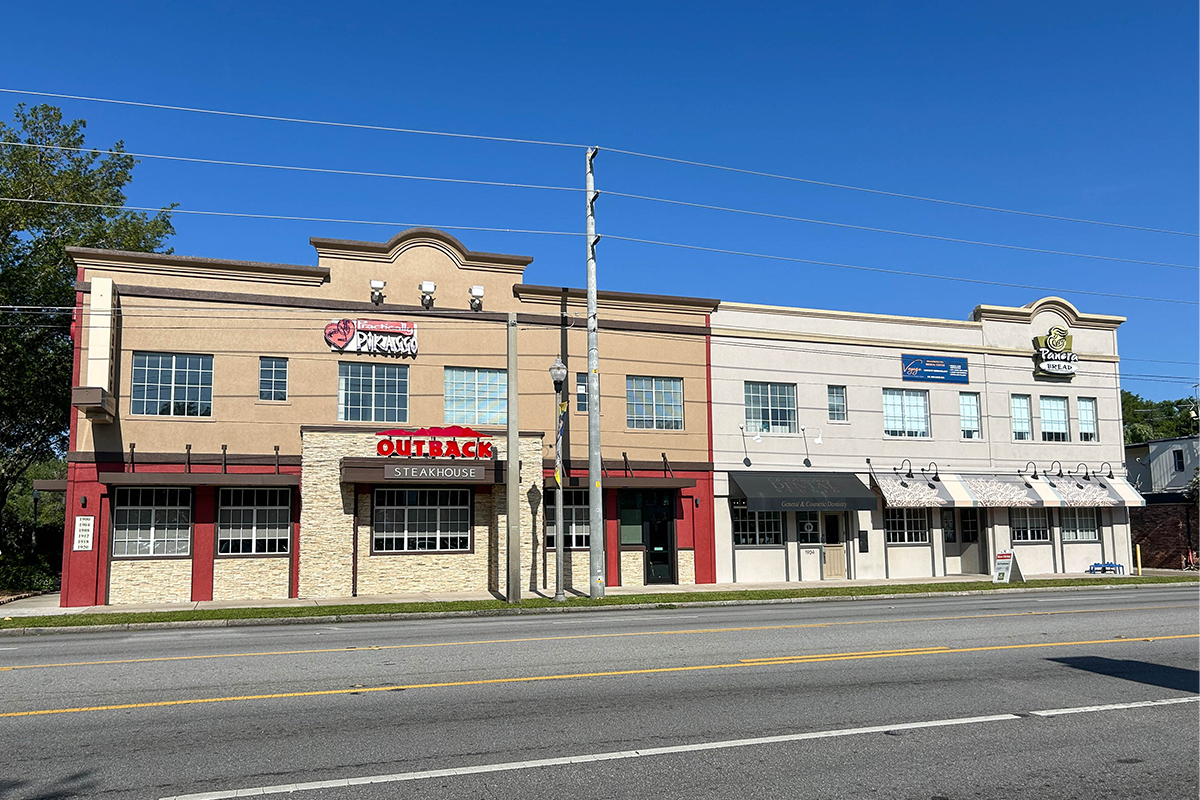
905, 652
591, 758
684, 632
818, 657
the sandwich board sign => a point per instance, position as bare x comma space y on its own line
1006, 569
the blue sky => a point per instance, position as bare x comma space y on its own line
1082, 110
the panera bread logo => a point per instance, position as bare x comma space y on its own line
1053, 354
435, 443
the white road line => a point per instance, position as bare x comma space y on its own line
511, 766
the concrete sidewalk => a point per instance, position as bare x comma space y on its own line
48, 604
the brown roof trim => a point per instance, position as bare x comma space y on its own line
522, 290
50, 485
384, 248
349, 427
617, 466
208, 459
166, 259
197, 479
624, 482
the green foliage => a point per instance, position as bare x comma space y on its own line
25, 573
1146, 420
43, 159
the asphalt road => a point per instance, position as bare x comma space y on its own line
922, 698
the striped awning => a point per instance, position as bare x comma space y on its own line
1006, 491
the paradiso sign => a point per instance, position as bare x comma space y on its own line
435, 443
1053, 354
385, 336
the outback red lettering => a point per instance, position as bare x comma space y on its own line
404, 448
485, 450
435, 449
385, 447
452, 449
468, 450
418, 448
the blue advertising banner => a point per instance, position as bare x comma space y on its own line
937, 369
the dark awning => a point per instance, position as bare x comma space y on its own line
197, 479
626, 482
806, 491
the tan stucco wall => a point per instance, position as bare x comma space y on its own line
150, 581
250, 578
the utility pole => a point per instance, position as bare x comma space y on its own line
595, 490
512, 473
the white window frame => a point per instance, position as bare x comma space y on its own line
907, 417
1089, 424
1026, 417
1029, 525
975, 433
185, 378
156, 511
1059, 430
808, 537
839, 405
1079, 524
269, 380
581, 392
906, 525
475, 396
756, 528
1177, 459
576, 512
770, 407
656, 402
400, 520
379, 376
268, 513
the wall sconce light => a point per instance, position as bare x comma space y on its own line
476, 294
745, 452
1075, 473
377, 291
83, 501
936, 475
427, 290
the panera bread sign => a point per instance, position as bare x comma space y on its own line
1053, 355
381, 336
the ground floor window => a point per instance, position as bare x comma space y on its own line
1079, 524
1029, 524
422, 519
972, 521
906, 525
757, 527
253, 521
152, 522
575, 519
808, 527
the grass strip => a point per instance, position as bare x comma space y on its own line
659, 599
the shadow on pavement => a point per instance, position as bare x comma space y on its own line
1183, 680
77, 784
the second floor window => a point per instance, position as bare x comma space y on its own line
372, 392
1087, 420
172, 384
770, 407
653, 403
968, 412
476, 396
837, 403
272, 378
905, 412
1054, 420
1022, 418
1178, 456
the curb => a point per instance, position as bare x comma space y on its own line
516, 612
11, 598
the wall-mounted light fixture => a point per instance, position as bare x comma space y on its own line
427, 290
937, 478
377, 291
746, 453
476, 295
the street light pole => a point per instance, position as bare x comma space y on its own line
558, 373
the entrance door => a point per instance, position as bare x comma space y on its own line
835, 547
973, 540
658, 535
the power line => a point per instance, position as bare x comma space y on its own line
793, 259
893, 232
288, 217
322, 170
271, 118
514, 140
894, 194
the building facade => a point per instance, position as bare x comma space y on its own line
1167, 529
870, 446
250, 430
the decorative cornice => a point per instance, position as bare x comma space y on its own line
531, 293
1069, 312
197, 267
391, 249
853, 316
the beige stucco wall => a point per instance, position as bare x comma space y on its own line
150, 581
250, 578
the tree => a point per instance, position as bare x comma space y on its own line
45, 166
1146, 419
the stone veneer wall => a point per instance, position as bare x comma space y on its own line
250, 578
327, 528
633, 570
150, 581
685, 567
577, 567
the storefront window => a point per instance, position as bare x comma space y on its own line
770, 407
653, 403
174, 385
972, 521
152, 522
476, 396
1029, 524
575, 519
1079, 524
906, 525
752, 528
254, 521
808, 527
372, 392
905, 412
422, 519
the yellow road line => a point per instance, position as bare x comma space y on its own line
904, 651
569, 676
689, 631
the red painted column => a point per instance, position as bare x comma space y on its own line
204, 542
612, 538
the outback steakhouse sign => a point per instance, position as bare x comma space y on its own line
384, 336
428, 443
427, 456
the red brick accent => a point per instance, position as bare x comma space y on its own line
1164, 532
